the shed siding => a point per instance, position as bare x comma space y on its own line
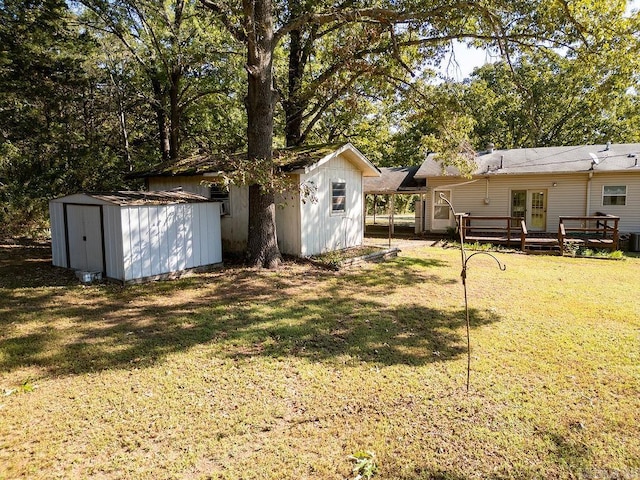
113, 241
303, 228
58, 241
188, 184
234, 226
322, 231
141, 241
169, 238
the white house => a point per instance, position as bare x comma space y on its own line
324, 213
537, 184
135, 236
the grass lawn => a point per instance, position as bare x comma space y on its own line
245, 374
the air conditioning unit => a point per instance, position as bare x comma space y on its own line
634, 242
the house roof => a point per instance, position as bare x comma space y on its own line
294, 159
140, 198
583, 158
394, 180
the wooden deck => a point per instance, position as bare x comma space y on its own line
597, 232
496, 230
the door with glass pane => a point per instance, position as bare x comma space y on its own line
442, 217
537, 208
518, 206
530, 205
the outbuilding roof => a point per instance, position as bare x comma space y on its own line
139, 198
293, 159
394, 180
583, 158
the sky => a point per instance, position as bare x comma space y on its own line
463, 60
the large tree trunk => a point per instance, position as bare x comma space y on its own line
293, 109
175, 113
262, 246
161, 119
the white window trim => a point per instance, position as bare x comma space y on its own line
435, 204
333, 212
626, 193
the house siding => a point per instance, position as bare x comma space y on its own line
630, 213
567, 198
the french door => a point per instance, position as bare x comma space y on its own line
530, 205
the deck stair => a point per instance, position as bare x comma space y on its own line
540, 242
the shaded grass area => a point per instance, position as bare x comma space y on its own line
256, 374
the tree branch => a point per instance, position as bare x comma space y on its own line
225, 17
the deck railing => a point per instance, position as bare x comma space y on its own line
493, 229
597, 231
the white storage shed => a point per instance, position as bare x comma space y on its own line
135, 236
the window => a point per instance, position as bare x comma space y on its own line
441, 210
221, 194
338, 197
614, 195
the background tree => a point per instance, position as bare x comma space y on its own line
585, 92
546, 100
51, 113
182, 56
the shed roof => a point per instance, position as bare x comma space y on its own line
622, 157
139, 198
395, 180
293, 159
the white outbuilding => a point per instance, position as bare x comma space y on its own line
322, 212
135, 236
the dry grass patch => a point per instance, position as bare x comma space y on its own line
258, 374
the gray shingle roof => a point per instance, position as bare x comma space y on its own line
148, 198
612, 158
287, 159
394, 180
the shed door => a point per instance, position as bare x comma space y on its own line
84, 237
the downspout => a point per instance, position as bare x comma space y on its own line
588, 203
487, 200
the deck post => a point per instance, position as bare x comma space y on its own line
561, 236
